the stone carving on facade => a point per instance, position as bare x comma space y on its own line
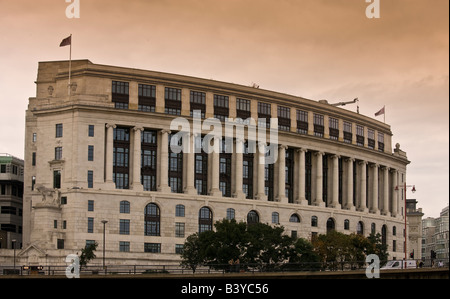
49, 196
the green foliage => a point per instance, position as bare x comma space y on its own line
266, 248
87, 254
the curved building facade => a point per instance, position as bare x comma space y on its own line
123, 153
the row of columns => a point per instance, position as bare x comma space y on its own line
259, 160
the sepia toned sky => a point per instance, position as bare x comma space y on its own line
316, 49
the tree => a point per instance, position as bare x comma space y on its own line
334, 249
87, 254
303, 257
377, 247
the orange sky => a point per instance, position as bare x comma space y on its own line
317, 49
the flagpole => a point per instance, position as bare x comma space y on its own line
384, 108
70, 63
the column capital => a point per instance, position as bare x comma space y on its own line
111, 126
374, 165
319, 153
137, 128
362, 162
282, 146
350, 159
299, 150
165, 131
336, 156
386, 168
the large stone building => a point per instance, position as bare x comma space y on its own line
101, 158
435, 238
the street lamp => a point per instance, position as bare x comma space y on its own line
404, 187
104, 224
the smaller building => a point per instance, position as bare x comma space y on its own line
435, 238
11, 201
414, 216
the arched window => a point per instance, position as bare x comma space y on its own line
152, 220
330, 225
373, 228
384, 234
205, 219
294, 218
275, 218
314, 221
125, 207
360, 228
230, 213
346, 224
252, 217
179, 210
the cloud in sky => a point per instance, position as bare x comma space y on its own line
317, 49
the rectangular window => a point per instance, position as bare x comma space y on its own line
120, 94
381, 141
225, 171
175, 169
179, 248
90, 228
58, 153
57, 179
121, 152
371, 138
302, 122
247, 173
90, 205
172, 101
221, 110
243, 108
359, 135
90, 179
147, 97
60, 244
148, 159
33, 159
179, 229
318, 125
124, 246
201, 167
264, 114
34, 137
348, 135
91, 131
198, 102
90, 153
59, 130
284, 118
334, 128
152, 247
124, 226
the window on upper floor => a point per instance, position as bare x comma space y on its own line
120, 94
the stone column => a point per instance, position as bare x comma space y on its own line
260, 160
281, 196
374, 196
362, 194
215, 159
349, 204
335, 193
136, 183
394, 211
385, 210
300, 196
109, 156
164, 166
239, 164
190, 169
318, 201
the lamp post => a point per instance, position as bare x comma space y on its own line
413, 190
104, 224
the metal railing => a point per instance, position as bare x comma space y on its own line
60, 270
